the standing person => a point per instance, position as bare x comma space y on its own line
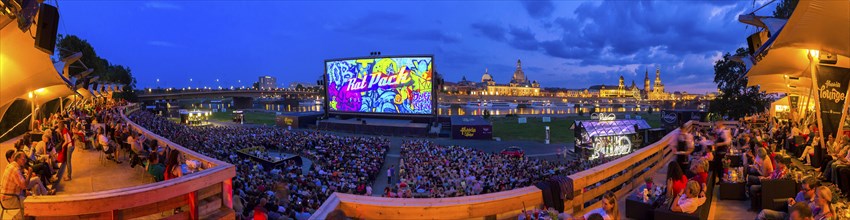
68, 150
390, 174
684, 146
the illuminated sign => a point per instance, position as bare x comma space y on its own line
603, 116
396, 85
670, 117
467, 131
608, 146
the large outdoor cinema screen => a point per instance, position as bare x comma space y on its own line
387, 85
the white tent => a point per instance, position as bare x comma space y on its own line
781, 84
818, 25
814, 25
23, 68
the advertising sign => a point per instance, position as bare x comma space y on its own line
670, 118
286, 121
603, 116
388, 85
832, 90
479, 132
471, 127
793, 101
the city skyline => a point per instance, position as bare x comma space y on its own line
562, 44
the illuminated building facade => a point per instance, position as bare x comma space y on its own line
267, 82
518, 86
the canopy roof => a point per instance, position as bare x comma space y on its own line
819, 25
23, 68
781, 84
822, 25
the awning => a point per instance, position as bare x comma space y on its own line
782, 61
820, 25
781, 84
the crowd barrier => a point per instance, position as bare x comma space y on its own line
619, 176
207, 193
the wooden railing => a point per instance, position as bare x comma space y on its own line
618, 175
206, 194
500, 205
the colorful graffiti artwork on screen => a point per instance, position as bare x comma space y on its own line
399, 85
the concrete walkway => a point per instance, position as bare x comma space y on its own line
392, 159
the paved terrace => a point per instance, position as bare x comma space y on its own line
90, 174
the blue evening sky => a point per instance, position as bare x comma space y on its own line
568, 44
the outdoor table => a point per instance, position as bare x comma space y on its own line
640, 209
733, 184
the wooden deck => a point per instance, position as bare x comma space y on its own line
720, 209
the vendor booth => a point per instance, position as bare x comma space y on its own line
292, 120
605, 138
471, 127
238, 117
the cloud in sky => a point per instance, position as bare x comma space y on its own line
570, 44
538, 8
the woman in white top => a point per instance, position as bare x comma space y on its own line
692, 197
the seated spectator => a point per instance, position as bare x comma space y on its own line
15, 180
156, 169
805, 196
780, 172
34, 183
842, 159
801, 211
699, 167
260, 212
609, 210
692, 197
823, 207
676, 179
762, 167
173, 167
595, 216
107, 146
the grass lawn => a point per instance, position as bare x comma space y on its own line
265, 118
508, 128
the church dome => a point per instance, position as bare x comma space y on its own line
486, 77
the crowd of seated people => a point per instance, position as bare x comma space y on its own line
43, 157
762, 140
428, 170
340, 164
